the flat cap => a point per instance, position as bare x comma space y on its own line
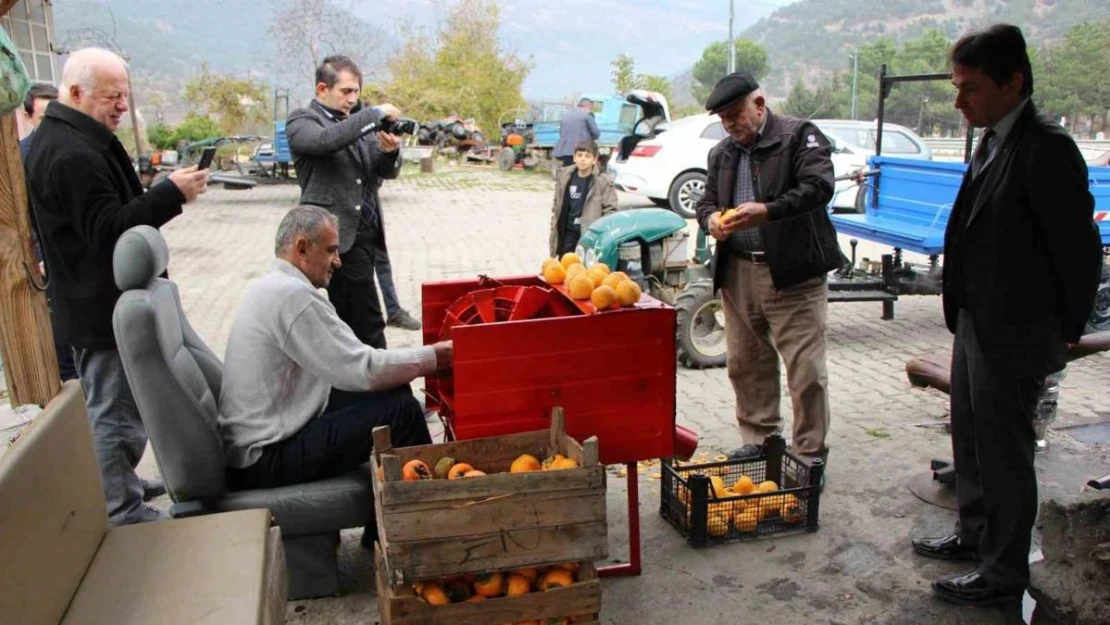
729, 89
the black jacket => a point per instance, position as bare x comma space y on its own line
1022, 252
792, 173
85, 194
336, 161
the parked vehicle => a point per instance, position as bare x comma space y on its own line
668, 166
617, 116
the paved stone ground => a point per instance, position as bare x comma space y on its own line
856, 569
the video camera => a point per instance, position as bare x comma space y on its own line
403, 126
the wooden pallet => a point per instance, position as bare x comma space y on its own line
432, 529
399, 604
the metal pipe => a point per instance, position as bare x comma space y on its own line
855, 76
731, 41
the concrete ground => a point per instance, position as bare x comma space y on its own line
857, 568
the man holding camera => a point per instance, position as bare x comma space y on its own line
341, 153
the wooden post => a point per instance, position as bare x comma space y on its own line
26, 340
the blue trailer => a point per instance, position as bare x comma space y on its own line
907, 205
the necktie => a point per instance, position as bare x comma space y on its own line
983, 154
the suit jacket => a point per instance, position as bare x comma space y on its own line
337, 161
575, 125
1021, 251
85, 194
601, 200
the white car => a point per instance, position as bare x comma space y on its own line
669, 167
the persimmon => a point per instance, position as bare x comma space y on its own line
490, 585
415, 470
458, 471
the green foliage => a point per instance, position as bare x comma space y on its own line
1069, 78
624, 73
160, 137
626, 79
751, 57
924, 106
196, 128
239, 105
459, 69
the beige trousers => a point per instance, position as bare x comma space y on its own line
761, 324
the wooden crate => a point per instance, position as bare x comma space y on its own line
399, 604
432, 529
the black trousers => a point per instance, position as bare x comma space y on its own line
567, 161
338, 441
992, 444
354, 293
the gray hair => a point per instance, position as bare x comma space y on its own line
81, 69
304, 220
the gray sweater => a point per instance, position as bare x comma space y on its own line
287, 350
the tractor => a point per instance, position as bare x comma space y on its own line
651, 245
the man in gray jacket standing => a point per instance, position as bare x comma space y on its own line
577, 125
341, 154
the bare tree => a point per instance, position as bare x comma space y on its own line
307, 31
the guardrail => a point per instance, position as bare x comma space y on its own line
944, 147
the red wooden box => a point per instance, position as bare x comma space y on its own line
613, 372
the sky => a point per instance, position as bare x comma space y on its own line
571, 42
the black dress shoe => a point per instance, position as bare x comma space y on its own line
745, 452
945, 548
152, 489
971, 589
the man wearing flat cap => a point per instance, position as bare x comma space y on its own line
769, 183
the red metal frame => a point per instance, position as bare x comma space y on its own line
613, 373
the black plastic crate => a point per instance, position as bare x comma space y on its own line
704, 515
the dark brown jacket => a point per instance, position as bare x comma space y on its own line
792, 172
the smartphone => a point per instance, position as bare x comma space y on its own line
206, 158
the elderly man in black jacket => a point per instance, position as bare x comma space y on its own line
85, 194
341, 155
765, 202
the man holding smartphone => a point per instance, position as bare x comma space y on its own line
340, 155
84, 193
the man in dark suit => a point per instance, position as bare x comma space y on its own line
341, 155
1021, 265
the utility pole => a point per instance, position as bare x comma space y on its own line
731, 41
855, 76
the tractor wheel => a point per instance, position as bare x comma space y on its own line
506, 159
701, 330
1100, 316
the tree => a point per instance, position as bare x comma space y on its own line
160, 136
1069, 78
626, 79
713, 65
624, 73
461, 68
308, 31
195, 128
239, 105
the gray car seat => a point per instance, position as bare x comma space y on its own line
176, 381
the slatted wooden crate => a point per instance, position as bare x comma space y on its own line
399, 605
432, 529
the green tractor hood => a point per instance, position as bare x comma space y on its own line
600, 242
